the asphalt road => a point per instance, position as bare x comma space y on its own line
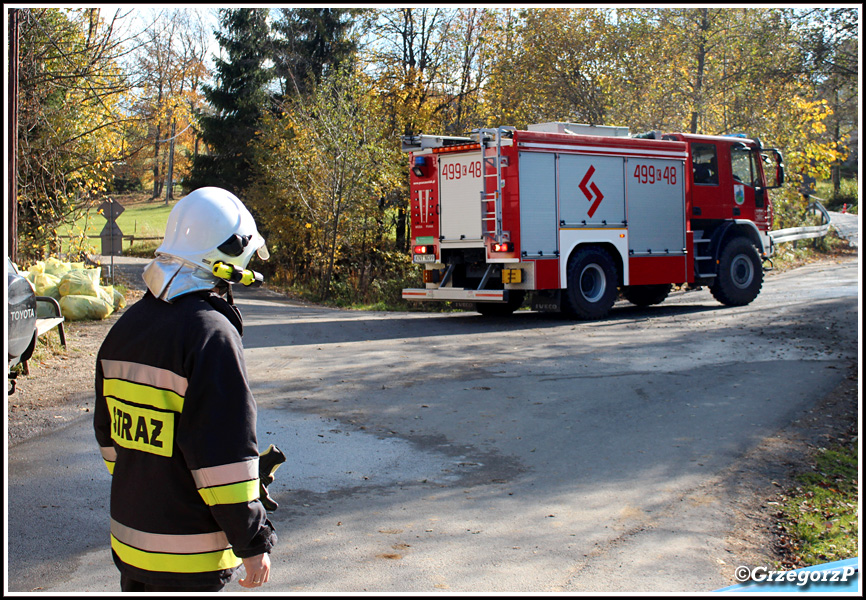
455, 453
847, 226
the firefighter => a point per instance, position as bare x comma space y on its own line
175, 418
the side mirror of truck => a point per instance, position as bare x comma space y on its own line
774, 168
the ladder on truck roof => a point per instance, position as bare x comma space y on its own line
491, 195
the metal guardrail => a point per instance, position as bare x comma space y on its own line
804, 233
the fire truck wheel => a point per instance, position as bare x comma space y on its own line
646, 295
591, 288
740, 274
501, 309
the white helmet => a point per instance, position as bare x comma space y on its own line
212, 225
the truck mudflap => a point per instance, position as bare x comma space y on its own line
455, 295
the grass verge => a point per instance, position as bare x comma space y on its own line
790, 255
847, 195
818, 517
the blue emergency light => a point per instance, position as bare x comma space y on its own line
420, 163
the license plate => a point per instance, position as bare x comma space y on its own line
424, 258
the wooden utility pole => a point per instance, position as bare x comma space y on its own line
12, 200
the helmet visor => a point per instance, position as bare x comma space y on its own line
236, 245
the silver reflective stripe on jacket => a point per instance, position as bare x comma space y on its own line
145, 375
196, 543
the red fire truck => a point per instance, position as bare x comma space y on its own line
566, 214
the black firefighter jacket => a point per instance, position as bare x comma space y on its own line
176, 424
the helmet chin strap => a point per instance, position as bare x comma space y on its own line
224, 288
229, 274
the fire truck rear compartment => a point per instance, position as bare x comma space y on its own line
469, 269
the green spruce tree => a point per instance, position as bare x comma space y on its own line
309, 41
237, 101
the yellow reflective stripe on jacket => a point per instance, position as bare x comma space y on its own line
143, 394
169, 562
228, 484
145, 375
235, 493
109, 455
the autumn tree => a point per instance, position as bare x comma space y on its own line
578, 70
466, 71
238, 100
829, 39
72, 98
169, 68
745, 71
809, 154
322, 169
596, 66
407, 56
505, 89
185, 97
735, 64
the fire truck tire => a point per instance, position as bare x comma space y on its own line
740, 275
501, 309
592, 281
646, 295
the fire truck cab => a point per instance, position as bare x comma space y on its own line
567, 214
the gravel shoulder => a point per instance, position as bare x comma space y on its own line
59, 388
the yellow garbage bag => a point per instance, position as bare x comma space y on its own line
84, 282
46, 284
35, 269
119, 300
55, 266
82, 308
106, 292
